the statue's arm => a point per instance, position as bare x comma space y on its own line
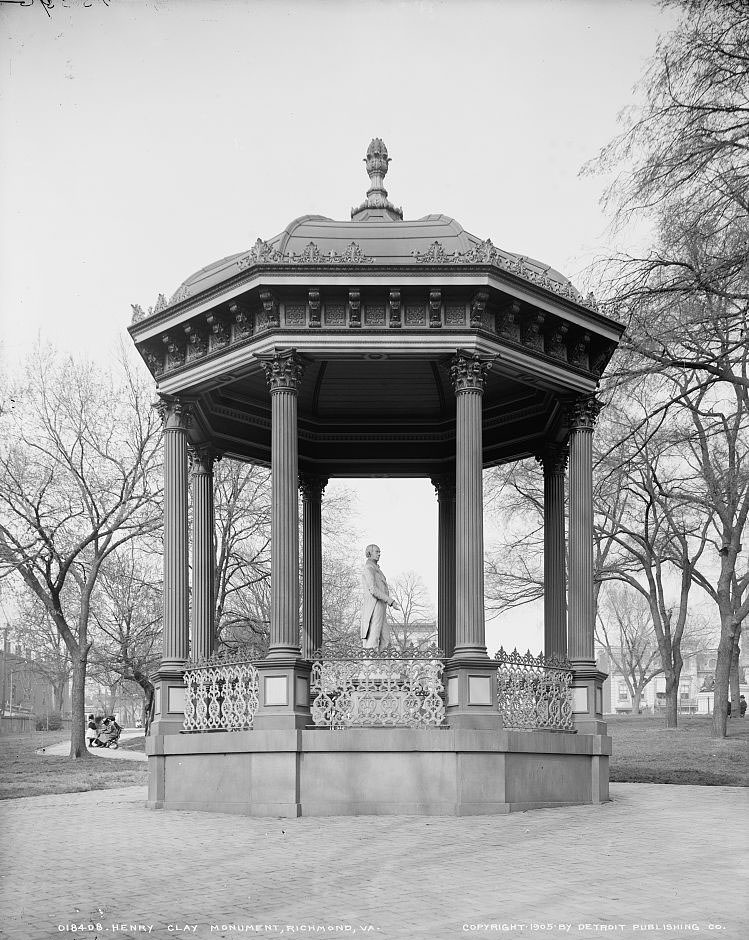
369, 582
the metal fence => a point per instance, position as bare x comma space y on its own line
355, 687
535, 692
221, 693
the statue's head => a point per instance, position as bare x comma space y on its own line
372, 551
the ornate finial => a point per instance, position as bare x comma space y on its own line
377, 160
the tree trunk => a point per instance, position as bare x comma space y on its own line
147, 709
78, 749
59, 693
672, 697
722, 672
733, 679
636, 697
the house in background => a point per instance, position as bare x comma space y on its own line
25, 692
697, 675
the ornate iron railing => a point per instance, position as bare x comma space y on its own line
355, 687
221, 693
535, 692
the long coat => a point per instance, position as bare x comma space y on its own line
375, 599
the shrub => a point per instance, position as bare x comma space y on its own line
50, 721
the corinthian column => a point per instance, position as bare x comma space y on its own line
284, 675
470, 674
203, 553
587, 680
581, 419
169, 693
554, 462
284, 371
444, 484
468, 373
176, 417
312, 488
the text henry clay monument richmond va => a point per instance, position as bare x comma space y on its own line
376, 347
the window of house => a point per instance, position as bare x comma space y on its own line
623, 693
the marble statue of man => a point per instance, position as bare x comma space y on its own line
376, 599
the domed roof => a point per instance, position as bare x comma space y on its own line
378, 235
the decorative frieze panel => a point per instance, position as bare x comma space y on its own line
455, 314
218, 331
415, 315
374, 315
335, 314
295, 315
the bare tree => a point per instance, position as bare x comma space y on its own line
127, 615
682, 164
79, 459
415, 607
36, 631
625, 631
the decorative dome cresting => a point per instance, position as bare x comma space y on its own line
377, 205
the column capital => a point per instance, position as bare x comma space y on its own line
444, 485
202, 457
312, 485
283, 369
553, 458
468, 371
175, 413
581, 413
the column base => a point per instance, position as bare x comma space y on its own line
168, 699
284, 693
587, 697
471, 693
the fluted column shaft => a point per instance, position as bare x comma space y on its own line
554, 462
444, 485
581, 421
312, 489
468, 372
203, 554
283, 372
175, 640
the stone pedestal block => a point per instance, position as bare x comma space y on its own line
587, 698
169, 700
471, 694
284, 694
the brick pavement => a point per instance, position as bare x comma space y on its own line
657, 855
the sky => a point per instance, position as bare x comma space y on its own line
143, 139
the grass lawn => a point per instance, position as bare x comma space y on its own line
645, 752
23, 772
133, 744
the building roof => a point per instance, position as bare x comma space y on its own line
378, 235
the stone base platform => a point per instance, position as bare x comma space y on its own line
376, 771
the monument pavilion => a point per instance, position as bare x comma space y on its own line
371, 347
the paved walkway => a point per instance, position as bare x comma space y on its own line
63, 749
655, 858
